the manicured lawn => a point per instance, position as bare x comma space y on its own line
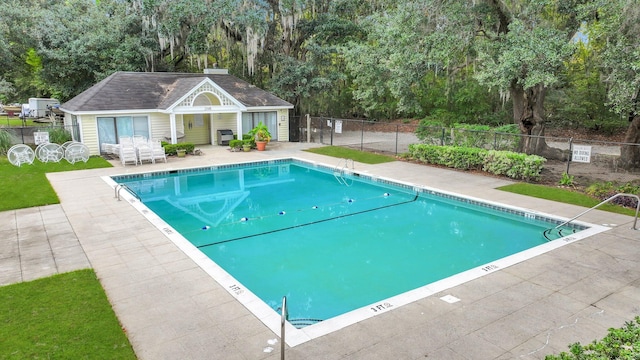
65, 316
27, 186
563, 195
355, 155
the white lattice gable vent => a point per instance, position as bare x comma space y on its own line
207, 87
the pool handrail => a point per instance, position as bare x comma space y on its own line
635, 221
124, 186
283, 320
339, 170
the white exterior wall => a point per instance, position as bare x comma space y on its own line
283, 125
159, 126
89, 127
222, 122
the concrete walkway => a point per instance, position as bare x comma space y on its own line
172, 309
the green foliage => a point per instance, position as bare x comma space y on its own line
471, 135
450, 156
510, 164
468, 135
236, 144
260, 132
59, 135
605, 190
172, 149
6, 141
566, 180
514, 165
622, 343
66, 316
563, 195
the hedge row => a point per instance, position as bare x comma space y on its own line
172, 149
514, 165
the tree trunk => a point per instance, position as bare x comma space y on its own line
630, 154
528, 114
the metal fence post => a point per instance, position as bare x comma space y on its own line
442, 137
333, 125
397, 130
570, 154
321, 130
362, 136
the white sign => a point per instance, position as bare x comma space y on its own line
41, 137
338, 126
581, 153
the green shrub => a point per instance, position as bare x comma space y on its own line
471, 135
514, 165
622, 343
507, 163
566, 180
605, 190
6, 141
431, 132
235, 144
172, 149
59, 135
508, 129
450, 156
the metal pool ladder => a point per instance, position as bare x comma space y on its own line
635, 221
283, 320
340, 170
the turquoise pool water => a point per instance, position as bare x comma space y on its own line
331, 242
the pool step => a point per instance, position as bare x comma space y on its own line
556, 233
300, 323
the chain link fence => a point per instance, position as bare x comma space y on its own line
586, 160
24, 135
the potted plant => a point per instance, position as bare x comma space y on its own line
261, 134
246, 145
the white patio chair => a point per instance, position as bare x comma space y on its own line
49, 152
145, 153
77, 152
20, 154
139, 140
158, 151
127, 153
66, 144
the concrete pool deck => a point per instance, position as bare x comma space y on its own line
172, 309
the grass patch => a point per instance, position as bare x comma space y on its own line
65, 316
355, 155
564, 196
27, 186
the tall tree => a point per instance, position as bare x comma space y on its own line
75, 58
616, 25
514, 47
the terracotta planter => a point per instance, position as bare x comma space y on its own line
260, 145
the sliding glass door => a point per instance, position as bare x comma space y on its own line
110, 129
250, 120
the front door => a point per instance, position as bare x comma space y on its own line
197, 129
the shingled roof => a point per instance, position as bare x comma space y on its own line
158, 91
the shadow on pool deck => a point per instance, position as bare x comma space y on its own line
171, 309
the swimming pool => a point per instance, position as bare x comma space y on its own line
340, 246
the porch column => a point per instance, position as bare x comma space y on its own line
239, 124
172, 125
